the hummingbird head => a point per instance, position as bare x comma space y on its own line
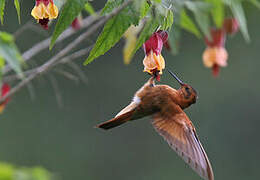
187, 93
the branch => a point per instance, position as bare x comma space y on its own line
49, 64
27, 55
64, 60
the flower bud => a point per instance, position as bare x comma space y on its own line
231, 25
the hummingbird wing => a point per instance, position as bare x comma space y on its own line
178, 131
122, 117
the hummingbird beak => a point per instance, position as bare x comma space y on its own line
175, 77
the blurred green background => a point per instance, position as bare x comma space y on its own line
63, 140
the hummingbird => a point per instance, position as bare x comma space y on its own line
166, 104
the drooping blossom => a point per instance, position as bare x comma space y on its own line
153, 61
43, 11
214, 58
4, 90
215, 55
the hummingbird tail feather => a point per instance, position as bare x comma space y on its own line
117, 121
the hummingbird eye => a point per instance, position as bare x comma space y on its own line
187, 89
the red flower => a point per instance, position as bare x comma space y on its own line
218, 38
154, 62
215, 55
231, 25
76, 23
5, 89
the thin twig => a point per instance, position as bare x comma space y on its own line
57, 91
80, 72
64, 60
67, 74
31, 90
49, 64
27, 55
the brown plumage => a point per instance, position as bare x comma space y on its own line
166, 105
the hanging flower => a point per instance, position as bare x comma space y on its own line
43, 11
130, 37
153, 61
4, 90
215, 55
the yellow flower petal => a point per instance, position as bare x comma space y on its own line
153, 62
41, 11
52, 11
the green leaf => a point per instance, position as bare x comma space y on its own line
70, 11
200, 11
6, 171
143, 6
168, 20
256, 3
2, 65
10, 53
2, 8
238, 12
110, 5
39, 173
187, 24
174, 38
157, 1
217, 12
89, 8
149, 28
6, 37
18, 10
112, 32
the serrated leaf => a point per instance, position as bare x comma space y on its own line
168, 20
200, 11
112, 32
187, 24
89, 8
2, 8
143, 6
10, 53
18, 10
70, 11
110, 5
217, 12
238, 12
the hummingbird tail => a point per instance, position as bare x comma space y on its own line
117, 121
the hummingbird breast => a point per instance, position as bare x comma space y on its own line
154, 99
